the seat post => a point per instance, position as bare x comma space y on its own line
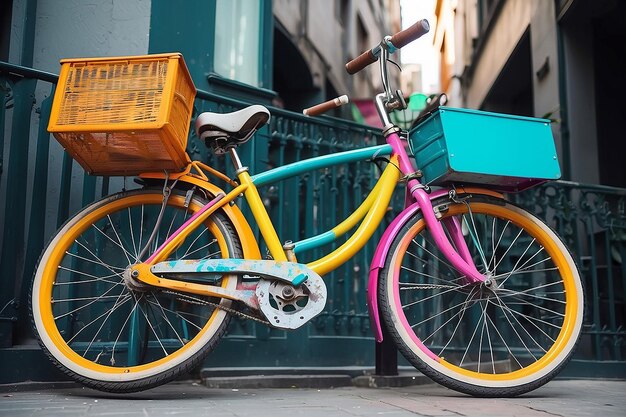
232, 151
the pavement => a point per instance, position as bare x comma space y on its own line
598, 398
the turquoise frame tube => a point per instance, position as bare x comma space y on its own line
311, 164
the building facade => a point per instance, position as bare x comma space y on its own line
562, 60
559, 59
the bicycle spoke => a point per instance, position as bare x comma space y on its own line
450, 267
96, 319
115, 306
179, 314
140, 245
65, 300
524, 268
505, 307
493, 363
425, 274
95, 278
512, 244
533, 288
414, 286
208, 256
497, 245
118, 244
169, 229
458, 322
132, 310
86, 305
97, 258
504, 342
482, 333
518, 261
476, 238
470, 342
166, 319
533, 271
194, 242
461, 311
431, 317
532, 320
514, 329
526, 303
152, 328
97, 261
515, 294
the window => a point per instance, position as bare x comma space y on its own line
237, 40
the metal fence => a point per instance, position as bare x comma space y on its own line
40, 187
592, 221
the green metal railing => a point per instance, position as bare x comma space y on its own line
40, 187
592, 221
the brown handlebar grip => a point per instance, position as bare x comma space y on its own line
360, 62
411, 33
325, 106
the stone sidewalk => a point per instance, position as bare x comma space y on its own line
559, 398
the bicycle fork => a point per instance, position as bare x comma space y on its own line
459, 257
455, 251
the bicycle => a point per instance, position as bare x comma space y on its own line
137, 288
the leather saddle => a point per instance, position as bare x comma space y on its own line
223, 131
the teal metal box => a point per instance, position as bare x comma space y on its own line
508, 153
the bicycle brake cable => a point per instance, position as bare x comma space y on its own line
166, 195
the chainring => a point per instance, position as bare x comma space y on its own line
289, 307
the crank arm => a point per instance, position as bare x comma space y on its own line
141, 272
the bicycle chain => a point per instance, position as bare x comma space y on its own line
193, 300
427, 287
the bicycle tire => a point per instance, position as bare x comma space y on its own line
532, 313
150, 337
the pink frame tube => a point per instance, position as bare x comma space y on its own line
199, 213
463, 263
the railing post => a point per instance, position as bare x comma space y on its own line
12, 260
386, 356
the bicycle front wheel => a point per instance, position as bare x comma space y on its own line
501, 338
118, 337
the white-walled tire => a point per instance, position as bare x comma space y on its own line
497, 340
105, 334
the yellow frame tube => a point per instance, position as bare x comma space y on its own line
262, 218
359, 213
375, 214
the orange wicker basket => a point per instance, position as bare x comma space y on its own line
124, 115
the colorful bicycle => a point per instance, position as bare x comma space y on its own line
137, 288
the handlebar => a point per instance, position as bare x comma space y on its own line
325, 106
361, 61
408, 35
397, 41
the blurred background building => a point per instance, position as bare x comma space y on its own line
560, 59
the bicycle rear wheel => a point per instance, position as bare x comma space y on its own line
496, 340
112, 336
